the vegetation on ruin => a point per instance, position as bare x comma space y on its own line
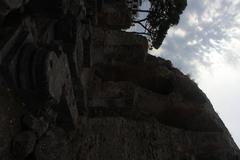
162, 14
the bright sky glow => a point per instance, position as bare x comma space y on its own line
206, 45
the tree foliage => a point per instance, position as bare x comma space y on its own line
161, 16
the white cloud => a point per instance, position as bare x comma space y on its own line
192, 43
221, 84
193, 19
180, 32
206, 44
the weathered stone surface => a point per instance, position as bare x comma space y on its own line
69, 93
23, 144
38, 125
52, 9
114, 15
66, 28
48, 112
11, 111
174, 111
38, 72
55, 74
112, 94
114, 45
120, 138
7, 5
11, 40
189, 89
53, 146
66, 55
159, 80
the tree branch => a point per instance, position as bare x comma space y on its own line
141, 20
144, 27
140, 10
143, 33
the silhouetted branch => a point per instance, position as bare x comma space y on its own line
144, 27
142, 20
142, 33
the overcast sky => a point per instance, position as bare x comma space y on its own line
206, 45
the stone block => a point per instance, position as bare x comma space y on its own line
38, 125
53, 146
23, 144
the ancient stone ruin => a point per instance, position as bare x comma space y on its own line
75, 86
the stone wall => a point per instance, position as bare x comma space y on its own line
75, 86
118, 46
120, 138
114, 15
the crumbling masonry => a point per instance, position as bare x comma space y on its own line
74, 86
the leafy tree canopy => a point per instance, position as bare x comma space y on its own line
162, 14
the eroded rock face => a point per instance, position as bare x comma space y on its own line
82, 88
23, 144
114, 15
11, 111
118, 46
8, 5
38, 125
53, 146
120, 138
